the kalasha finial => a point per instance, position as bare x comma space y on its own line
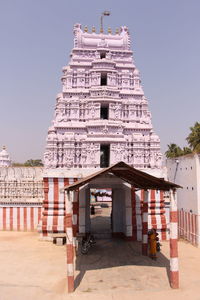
4, 147
93, 29
105, 13
109, 30
85, 29
117, 31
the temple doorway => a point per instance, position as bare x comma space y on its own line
104, 155
101, 212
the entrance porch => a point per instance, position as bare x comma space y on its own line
123, 179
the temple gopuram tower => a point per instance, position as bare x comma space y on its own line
101, 118
101, 115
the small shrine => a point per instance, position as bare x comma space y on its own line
5, 160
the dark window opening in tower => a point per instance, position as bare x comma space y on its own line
103, 55
103, 78
104, 112
104, 156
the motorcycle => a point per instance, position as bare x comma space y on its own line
87, 242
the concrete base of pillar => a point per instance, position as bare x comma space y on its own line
174, 279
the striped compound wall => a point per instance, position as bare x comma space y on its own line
20, 217
51, 215
188, 227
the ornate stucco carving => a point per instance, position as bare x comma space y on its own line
21, 185
77, 129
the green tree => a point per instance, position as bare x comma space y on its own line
193, 138
186, 150
173, 151
17, 164
33, 163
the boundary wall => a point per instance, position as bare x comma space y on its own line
185, 171
188, 227
20, 217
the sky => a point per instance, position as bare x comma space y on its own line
36, 37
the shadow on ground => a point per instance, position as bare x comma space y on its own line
115, 252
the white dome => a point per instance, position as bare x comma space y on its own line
4, 158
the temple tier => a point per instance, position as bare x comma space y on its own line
101, 116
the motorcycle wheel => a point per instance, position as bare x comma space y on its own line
84, 249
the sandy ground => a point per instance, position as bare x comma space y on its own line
113, 269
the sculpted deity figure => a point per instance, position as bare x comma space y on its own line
108, 55
125, 156
47, 159
158, 160
97, 55
118, 153
60, 154
117, 111
152, 160
83, 156
78, 156
92, 153
92, 110
68, 161
60, 115
146, 157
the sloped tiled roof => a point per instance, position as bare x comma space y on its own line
135, 177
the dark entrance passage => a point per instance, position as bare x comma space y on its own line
104, 156
101, 212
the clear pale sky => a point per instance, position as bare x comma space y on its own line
36, 37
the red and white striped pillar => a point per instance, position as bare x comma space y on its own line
134, 220
174, 270
145, 223
75, 206
69, 241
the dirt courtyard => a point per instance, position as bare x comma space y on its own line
113, 269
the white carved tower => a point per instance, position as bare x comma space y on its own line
5, 160
101, 115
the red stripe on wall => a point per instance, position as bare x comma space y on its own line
39, 214
4, 218
25, 219
11, 218
173, 248
173, 216
18, 218
174, 278
78, 213
56, 195
32, 218
134, 221
66, 181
